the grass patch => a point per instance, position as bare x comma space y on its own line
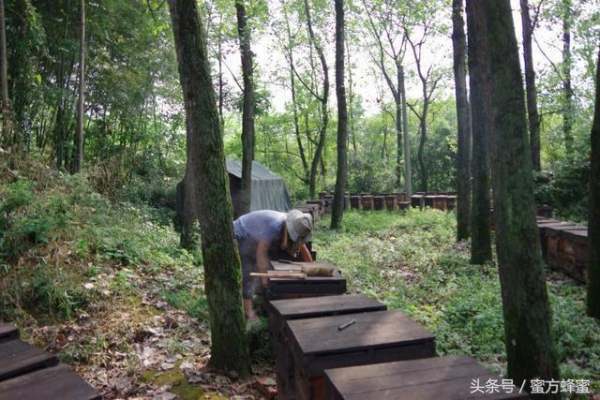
411, 261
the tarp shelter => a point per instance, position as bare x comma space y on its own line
268, 189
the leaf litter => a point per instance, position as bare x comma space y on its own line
137, 346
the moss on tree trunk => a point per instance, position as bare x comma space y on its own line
527, 314
207, 178
481, 240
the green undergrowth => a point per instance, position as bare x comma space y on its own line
64, 248
411, 261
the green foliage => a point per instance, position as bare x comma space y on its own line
59, 236
566, 190
411, 261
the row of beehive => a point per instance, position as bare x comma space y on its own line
349, 347
381, 201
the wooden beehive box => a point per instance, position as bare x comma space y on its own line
280, 311
573, 248
391, 202
378, 202
417, 200
551, 238
426, 379
291, 288
381, 336
439, 202
366, 201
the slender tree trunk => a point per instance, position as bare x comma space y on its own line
423, 175
351, 133
290, 51
527, 315
78, 158
206, 162
481, 240
532, 111
463, 184
398, 125
567, 88
593, 275
248, 112
7, 120
342, 133
407, 160
323, 98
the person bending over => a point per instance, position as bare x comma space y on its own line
260, 236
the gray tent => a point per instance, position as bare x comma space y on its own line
268, 189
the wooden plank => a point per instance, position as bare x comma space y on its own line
458, 389
329, 305
287, 265
18, 357
57, 382
430, 378
395, 368
371, 330
8, 332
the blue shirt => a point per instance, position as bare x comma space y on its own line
257, 226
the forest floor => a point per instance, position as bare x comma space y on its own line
106, 286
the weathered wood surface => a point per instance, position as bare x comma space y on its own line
376, 329
8, 332
355, 202
321, 306
367, 202
279, 288
380, 336
18, 357
57, 382
424, 379
378, 202
280, 311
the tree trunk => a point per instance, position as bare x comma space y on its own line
206, 162
78, 158
398, 125
407, 160
220, 67
527, 315
481, 240
342, 133
245, 195
290, 51
351, 133
567, 88
7, 122
323, 98
532, 111
463, 168
593, 276
423, 175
